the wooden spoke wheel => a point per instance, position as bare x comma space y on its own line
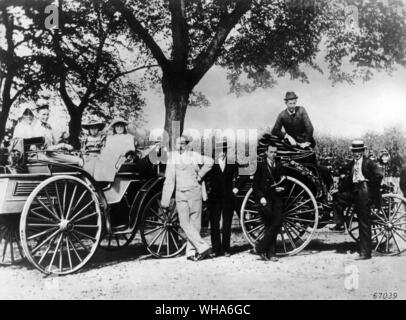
61, 225
11, 251
161, 232
300, 218
388, 225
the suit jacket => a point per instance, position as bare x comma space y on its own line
370, 170
297, 126
182, 172
223, 182
266, 178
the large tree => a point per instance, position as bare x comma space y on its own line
81, 59
260, 40
18, 66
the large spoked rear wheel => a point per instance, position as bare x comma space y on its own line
11, 251
161, 232
61, 225
388, 225
300, 218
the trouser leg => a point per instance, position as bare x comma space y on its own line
215, 226
341, 201
276, 223
196, 223
362, 207
263, 244
184, 221
228, 213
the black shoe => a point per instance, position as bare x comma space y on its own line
264, 256
273, 258
338, 228
191, 258
227, 254
363, 257
205, 254
215, 254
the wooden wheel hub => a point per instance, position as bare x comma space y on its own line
65, 225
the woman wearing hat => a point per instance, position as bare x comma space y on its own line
24, 129
95, 139
120, 147
120, 142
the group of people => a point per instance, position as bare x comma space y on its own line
186, 170
99, 149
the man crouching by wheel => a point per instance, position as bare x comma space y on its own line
268, 189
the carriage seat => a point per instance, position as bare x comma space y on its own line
285, 150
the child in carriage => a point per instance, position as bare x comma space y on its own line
119, 148
93, 143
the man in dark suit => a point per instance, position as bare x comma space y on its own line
222, 177
268, 186
362, 188
296, 122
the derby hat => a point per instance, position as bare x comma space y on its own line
290, 95
117, 121
357, 145
93, 122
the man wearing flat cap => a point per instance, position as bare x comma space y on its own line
361, 187
296, 123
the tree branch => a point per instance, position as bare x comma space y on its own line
118, 75
138, 29
207, 58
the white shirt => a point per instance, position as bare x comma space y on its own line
222, 163
358, 176
23, 130
44, 130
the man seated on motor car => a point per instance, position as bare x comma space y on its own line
361, 186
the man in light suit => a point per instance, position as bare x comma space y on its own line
184, 173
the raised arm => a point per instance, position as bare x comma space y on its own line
169, 184
277, 128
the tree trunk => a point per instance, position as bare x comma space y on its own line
177, 92
5, 109
75, 125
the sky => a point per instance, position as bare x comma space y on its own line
342, 110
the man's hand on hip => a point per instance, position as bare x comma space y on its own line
263, 201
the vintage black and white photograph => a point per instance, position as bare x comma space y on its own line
202, 150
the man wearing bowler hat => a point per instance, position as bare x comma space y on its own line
362, 187
296, 122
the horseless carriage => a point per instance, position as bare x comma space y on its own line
56, 214
308, 206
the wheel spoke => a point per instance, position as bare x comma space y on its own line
74, 249
41, 233
41, 216
179, 234
156, 214
174, 241
46, 250
290, 237
81, 210
45, 241
156, 237
55, 251
80, 242
290, 194
396, 243
397, 219
298, 206
58, 199
299, 219
167, 243
161, 242
256, 228
253, 220
154, 222
379, 242
152, 230
70, 202
379, 233
296, 226
47, 209
86, 216
78, 202
294, 200
68, 251
85, 235
399, 235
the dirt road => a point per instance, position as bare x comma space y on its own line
325, 270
